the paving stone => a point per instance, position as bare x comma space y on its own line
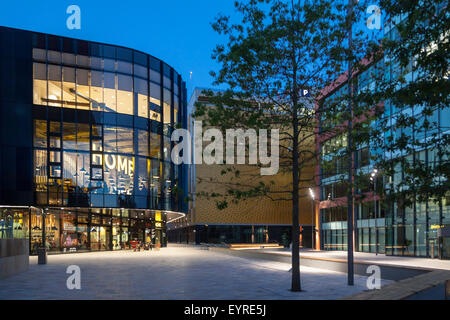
173, 273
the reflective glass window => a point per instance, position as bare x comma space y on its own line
54, 86
143, 142
40, 174
109, 91
54, 56
82, 89
83, 170
39, 54
40, 134
155, 145
68, 58
96, 63
83, 61
110, 173
140, 71
96, 91
69, 136
141, 87
109, 65
83, 134
125, 174
110, 139
124, 140
124, 95
167, 103
155, 76
155, 94
39, 84
124, 67
142, 176
68, 87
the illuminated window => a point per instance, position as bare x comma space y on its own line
40, 134
69, 136
97, 91
109, 91
83, 169
82, 89
110, 174
142, 177
83, 137
55, 156
69, 100
54, 86
166, 148
156, 116
110, 139
124, 94
143, 143
39, 84
40, 174
167, 102
124, 140
142, 90
155, 145
175, 108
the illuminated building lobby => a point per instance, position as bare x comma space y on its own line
85, 144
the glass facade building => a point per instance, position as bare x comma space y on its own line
85, 146
402, 231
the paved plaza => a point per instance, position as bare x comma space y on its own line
381, 259
173, 273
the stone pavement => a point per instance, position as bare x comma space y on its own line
173, 273
372, 258
406, 288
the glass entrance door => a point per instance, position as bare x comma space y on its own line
445, 248
101, 238
105, 238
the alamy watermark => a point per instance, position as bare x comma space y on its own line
374, 280
73, 282
74, 20
374, 20
235, 147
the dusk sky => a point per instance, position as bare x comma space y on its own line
176, 31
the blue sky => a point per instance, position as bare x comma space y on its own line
176, 31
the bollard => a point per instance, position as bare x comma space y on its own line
42, 255
447, 290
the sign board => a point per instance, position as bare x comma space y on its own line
158, 216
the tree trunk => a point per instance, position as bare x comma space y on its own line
296, 285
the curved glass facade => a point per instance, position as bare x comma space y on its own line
85, 144
102, 121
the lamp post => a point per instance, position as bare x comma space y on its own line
373, 178
313, 227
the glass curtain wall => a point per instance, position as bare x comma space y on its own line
103, 139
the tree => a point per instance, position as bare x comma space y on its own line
277, 50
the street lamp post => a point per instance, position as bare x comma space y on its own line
350, 218
373, 178
313, 227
